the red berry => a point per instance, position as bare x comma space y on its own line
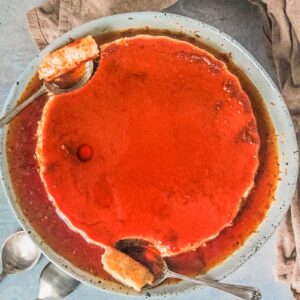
84, 152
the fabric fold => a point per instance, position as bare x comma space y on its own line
55, 17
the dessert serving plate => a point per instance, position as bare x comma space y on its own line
214, 38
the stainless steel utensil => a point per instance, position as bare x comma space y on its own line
55, 284
18, 254
140, 250
49, 87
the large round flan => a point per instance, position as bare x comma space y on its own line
161, 144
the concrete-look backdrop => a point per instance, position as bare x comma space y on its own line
237, 18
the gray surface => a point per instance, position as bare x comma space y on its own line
237, 18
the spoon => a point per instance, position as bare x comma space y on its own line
55, 284
19, 254
63, 84
145, 252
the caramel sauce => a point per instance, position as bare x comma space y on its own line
40, 212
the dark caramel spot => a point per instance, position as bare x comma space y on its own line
139, 75
52, 166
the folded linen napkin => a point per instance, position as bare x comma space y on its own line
281, 24
56, 17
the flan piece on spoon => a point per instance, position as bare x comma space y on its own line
67, 58
172, 142
125, 269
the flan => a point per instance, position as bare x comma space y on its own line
160, 144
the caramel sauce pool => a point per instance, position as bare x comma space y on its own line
40, 212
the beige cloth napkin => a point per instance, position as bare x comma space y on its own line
56, 17
281, 24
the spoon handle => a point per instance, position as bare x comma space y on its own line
17, 109
244, 292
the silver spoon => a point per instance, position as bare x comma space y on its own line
19, 254
50, 87
55, 284
144, 252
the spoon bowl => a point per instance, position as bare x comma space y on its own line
55, 284
149, 256
72, 80
64, 84
18, 254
